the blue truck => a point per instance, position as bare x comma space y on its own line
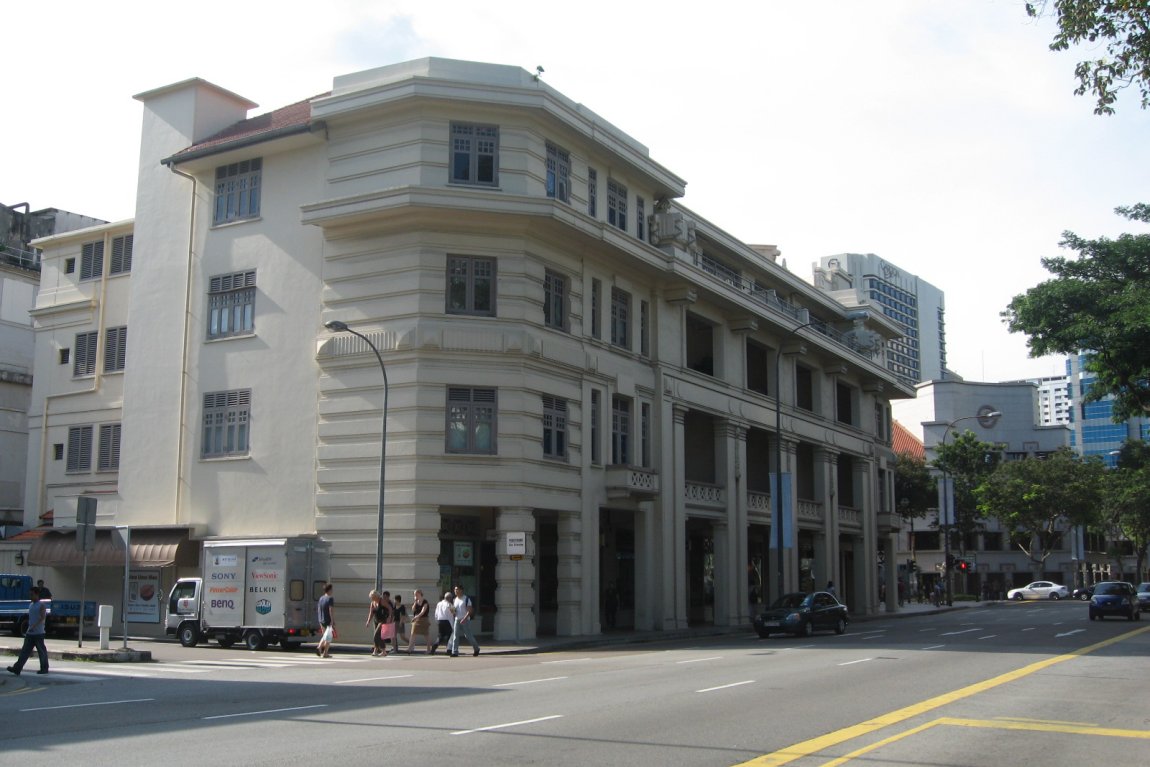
16, 597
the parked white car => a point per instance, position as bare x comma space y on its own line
1039, 590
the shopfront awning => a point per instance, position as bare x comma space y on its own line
151, 547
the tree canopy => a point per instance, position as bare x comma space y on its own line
1040, 497
1097, 304
967, 460
1127, 500
915, 488
1124, 27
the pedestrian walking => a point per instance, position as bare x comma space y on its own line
325, 613
420, 622
444, 620
830, 589
34, 636
378, 617
400, 613
462, 629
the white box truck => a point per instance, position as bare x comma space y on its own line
257, 591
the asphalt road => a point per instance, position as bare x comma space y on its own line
1007, 684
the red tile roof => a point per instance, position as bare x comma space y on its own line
903, 442
278, 120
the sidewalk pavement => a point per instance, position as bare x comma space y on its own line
136, 652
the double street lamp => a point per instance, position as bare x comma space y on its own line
341, 327
780, 539
948, 505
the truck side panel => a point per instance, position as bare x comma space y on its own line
266, 588
224, 571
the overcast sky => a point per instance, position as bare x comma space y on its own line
942, 135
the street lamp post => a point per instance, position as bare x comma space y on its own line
947, 506
340, 327
780, 541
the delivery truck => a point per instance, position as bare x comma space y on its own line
16, 597
259, 591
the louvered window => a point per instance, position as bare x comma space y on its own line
232, 304
592, 192
122, 254
84, 360
115, 342
616, 204
554, 427
238, 191
92, 260
79, 449
620, 431
621, 318
555, 300
227, 417
471, 420
109, 450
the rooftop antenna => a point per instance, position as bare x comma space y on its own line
538, 73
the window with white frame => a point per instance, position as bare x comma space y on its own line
79, 449
554, 427
645, 328
474, 154
471, 420
592, 192
616, 204
555, 300
620, 431
238, 191
227, 422
84, 359
115, 345
92, 260
620, 318
108, 452
640, 218
558, 173
231, 304
121, 254
645, 434
596, 308
471, 285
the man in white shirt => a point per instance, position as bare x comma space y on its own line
464, 612
444, 612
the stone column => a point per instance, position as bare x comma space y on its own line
868, 568
568, 618
674, 530
731, 537
514, 619
826, 563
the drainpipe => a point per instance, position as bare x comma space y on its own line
180, 447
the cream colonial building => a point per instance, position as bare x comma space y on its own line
569, 354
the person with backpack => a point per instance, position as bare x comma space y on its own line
464, 615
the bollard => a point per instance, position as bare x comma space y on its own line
104, 623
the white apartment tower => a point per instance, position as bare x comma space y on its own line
569, 355
916, 306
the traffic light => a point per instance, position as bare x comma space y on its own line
949, 561
912, 565
963, 566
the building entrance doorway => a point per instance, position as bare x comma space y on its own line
700, 573
616, 570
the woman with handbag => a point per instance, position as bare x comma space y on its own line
420, 621
379, 617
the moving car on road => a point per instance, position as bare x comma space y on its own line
1039, 590
1084, 593
802, 614
1143, 590
1114, 598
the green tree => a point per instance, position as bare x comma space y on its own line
1042, 497
915, 488
1097, 304
1126, 504
1124, 27
967, 460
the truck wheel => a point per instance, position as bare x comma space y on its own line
225, 641
289, 646
254, 640
189, 635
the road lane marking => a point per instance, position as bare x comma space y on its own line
822, 742
699, 660
988, 636
956, 633
1069, 633
374, 679
266, 711
507, 724
530, 681
934, 647
84, 705
852, 662
1031, 628
726, 686
569, 660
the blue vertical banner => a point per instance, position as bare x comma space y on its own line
788, 513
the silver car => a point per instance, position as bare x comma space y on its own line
1143, 596
1039, 590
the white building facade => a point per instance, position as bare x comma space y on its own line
568, 354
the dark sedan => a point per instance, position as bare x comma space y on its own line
803, 614
1114, 598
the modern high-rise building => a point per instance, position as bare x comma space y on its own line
1094, 430
565, 355
912, 303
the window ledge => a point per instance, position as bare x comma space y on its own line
236, 222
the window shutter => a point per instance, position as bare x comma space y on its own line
122, 254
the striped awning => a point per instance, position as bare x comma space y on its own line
151, 547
